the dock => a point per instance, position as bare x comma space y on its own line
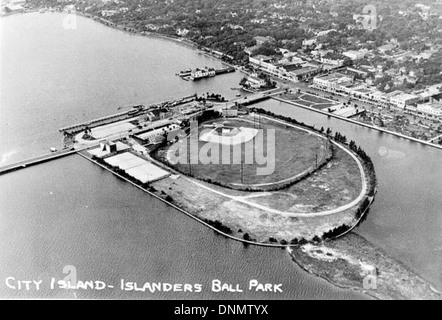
122, 115
205, 73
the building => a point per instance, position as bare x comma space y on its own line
108, 13
357, 73
333, 82
304, 73
259, 59
429, 92
108, 147
324, 32
13, 8
309, 42
157, 135
387, 47
355, 55
255, 82
182, 32
430, 109
333, 59
261, 40
400, 99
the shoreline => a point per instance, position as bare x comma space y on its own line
191, 46
358, 258
359, 123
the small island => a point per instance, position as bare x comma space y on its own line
247, 173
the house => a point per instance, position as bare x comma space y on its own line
261, 40
182, 32
387, 47
324, 32
309, 42
334, 59
108, 13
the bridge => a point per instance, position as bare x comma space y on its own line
37, 160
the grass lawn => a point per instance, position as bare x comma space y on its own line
295, 152
337, 184
314, 99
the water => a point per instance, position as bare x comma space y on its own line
406, 218
71, 212
52, 77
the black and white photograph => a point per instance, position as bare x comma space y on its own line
220, 150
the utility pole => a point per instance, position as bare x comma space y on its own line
242, 166
188, 158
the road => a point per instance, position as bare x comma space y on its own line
297, 214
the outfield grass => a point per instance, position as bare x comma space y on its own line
337, 184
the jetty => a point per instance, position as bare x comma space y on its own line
202, 73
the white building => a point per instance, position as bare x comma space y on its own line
309, 42
355, 55
324, 32
108, 13
400, 99
255, 82
431, 109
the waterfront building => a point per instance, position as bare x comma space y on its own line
255, 82
400, 99
13, 8
430, 109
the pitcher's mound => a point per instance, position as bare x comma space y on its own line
229, 135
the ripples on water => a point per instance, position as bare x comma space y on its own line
69, 212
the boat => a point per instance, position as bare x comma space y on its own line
238, 94
53, 149
185, 73
202, 73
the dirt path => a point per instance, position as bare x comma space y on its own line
299, 214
